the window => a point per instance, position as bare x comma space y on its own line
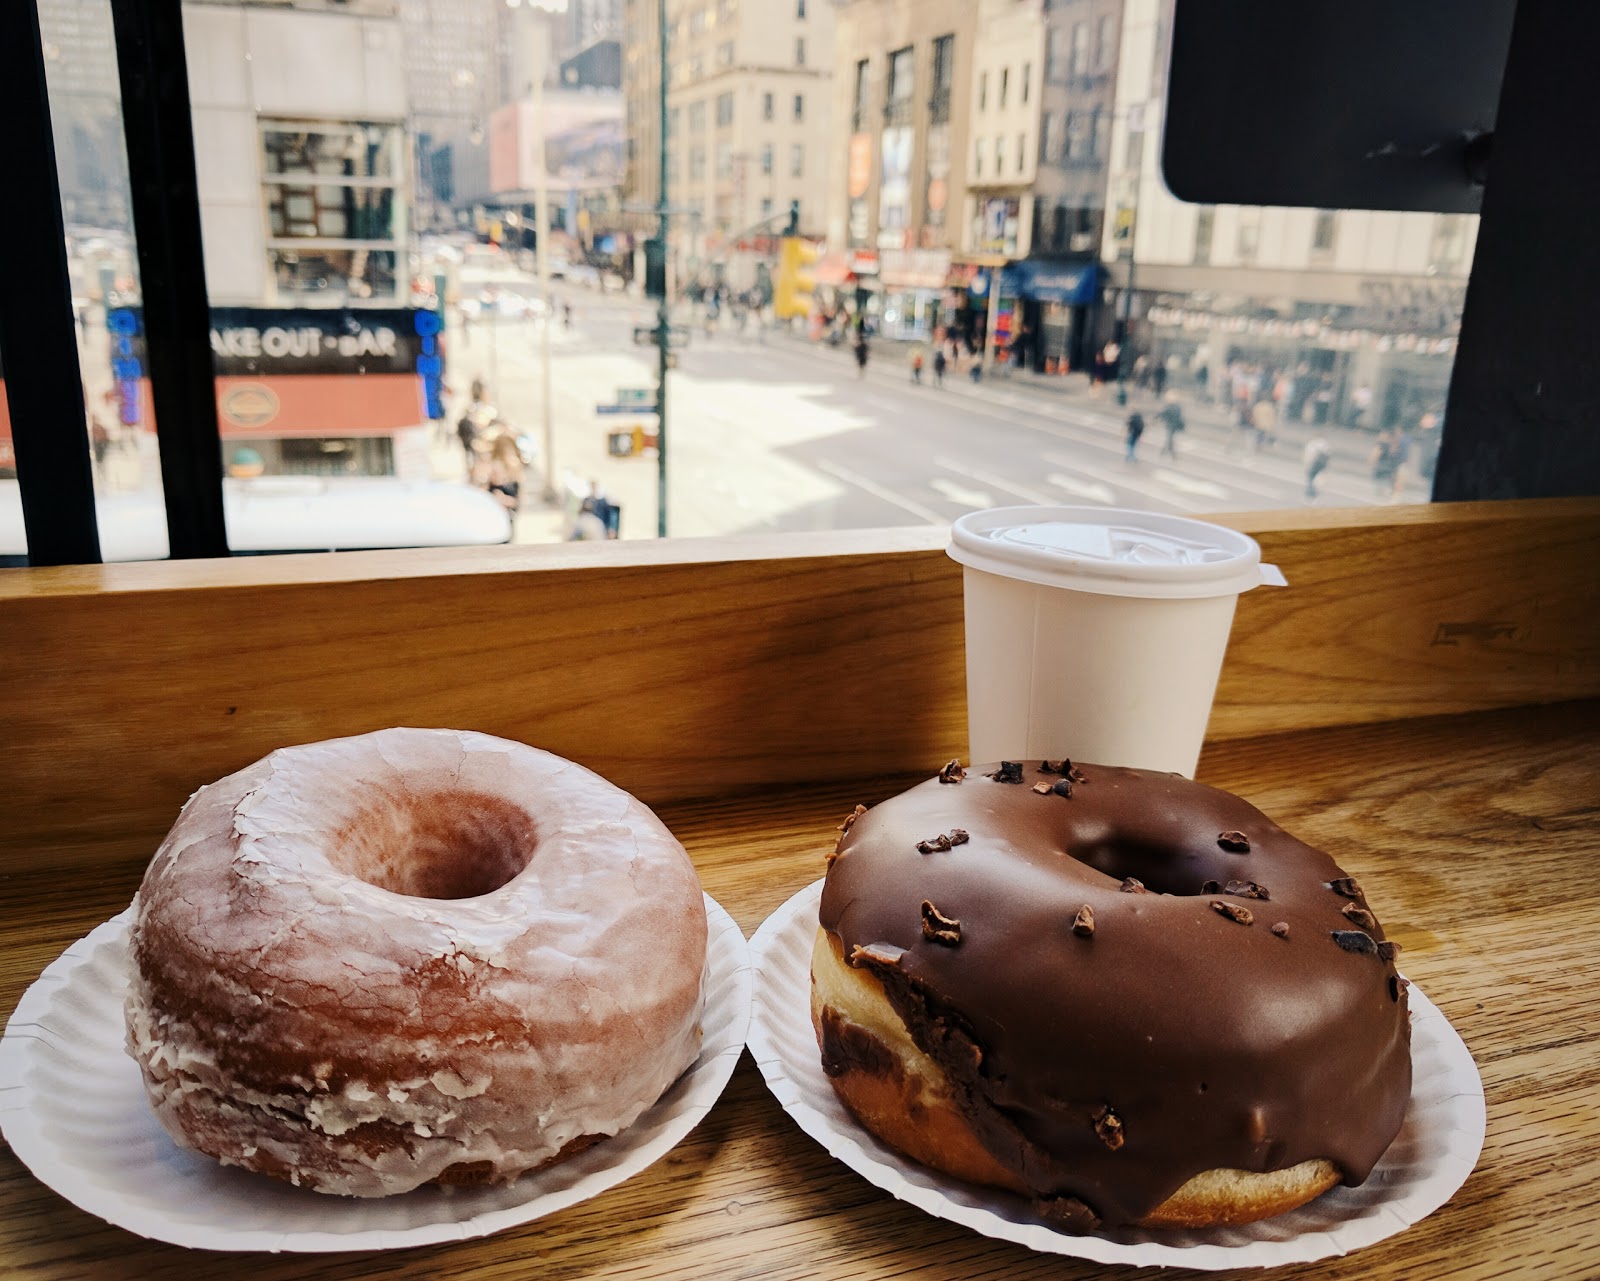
697, 22
902, 83
799, 51
331, 194
1097, 123
800, 10
944, 58
799, 106
766, 106
1005, 86
797, 161
1022, 152
697, 117
1105, 36
863, 93
1205, 224
983, 91
724, 110
1249, 233
1322, 231
1072, 146
725, 54
1080, 49
1047, 138
724, 160
1054, 53
1027, 81
697, 162
766, 207
674, 122
977, 158
999, 155
766, 158
1135, 155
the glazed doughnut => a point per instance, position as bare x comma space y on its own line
414, 956
1126, 995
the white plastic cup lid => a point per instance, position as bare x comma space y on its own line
1111, 551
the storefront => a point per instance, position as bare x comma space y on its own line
1059, 307
913, 292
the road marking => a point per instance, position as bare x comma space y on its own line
849, 477
1189, 484
976, 499
1131, 479
987, 478
1091, 489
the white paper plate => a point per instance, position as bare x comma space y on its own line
72, 1107
1429, 1159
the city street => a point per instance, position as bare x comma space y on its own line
775, 433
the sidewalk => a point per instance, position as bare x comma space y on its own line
890, 365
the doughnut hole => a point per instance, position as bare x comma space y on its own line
1181, 871
446, 844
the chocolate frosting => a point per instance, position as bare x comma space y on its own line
1175, 1027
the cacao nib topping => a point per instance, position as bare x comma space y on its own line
1211, 887
1063, 787
1355, 941
1281, 929
939, 928
851, 817
1042, 788
1346, 885
1009, 772
1234, 842
1233, 911
1066, 1213
1360, 916
1054, 767
1133, 885
876, 954
1083, 922
952, 772
1108, 1125
1388, 950
1245, 889
944, 841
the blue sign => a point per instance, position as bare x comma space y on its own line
122, 323
430, 361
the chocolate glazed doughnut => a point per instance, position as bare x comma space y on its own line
1127, 995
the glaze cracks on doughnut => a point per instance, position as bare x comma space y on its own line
414, 956
1124, 994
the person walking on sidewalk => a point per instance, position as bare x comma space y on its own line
1172, 419
861, 354
916, 365
1316, 456
939, 363
1135, 430
1264, 418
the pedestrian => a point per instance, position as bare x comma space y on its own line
1360, 405
1172, 418
467, 431
1264, 418
1316, 456
99, 440
861, 354
1387, 458
1135, 430
1158, 378
916, 365
939, 363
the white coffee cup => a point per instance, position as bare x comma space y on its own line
1097, 632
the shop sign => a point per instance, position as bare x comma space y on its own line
916, 268
999, 225
318, 340
858, 177
124, 327
936, 195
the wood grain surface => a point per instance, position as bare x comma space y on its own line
1475, 837
703, 667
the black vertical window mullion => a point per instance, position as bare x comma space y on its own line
153, 69
38, 334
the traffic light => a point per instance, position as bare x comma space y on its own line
791, 293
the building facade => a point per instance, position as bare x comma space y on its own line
748, 109
902, 100
1350, 314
